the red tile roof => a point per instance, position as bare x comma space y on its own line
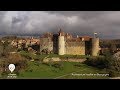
86, 38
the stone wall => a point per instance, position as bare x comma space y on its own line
54, 59
74, 60
46, 43
57, 59
75, 48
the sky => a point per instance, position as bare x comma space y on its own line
82, 23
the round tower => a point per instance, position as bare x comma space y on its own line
95, 45
61, 43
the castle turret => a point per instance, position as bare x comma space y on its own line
95, 45
61, 43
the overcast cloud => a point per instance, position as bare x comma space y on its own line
105, 23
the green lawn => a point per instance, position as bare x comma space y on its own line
42, 71
38, 70
52, 55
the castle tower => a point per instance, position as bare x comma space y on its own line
95, 45
61, 43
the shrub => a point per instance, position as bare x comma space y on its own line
114, 65
99, 62
28, 57
55, 70
31, 70
47, 64
37, 63
106, 52
18, 60
18, 50
4, 74
77, 65
58, 65
113, 73
110, 62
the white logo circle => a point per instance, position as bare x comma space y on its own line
11, 67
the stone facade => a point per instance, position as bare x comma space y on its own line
95, 47
75, 48
46, 43
63, 43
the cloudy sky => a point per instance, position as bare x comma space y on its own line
105, 23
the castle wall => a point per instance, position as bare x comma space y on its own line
88, 47
75, 48
55, 43
46, 43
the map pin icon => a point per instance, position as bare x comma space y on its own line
11, 67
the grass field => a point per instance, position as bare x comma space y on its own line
69, 70
38, 70
53, 55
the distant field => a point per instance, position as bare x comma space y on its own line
38, 70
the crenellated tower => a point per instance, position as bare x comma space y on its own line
95, 45
61, 43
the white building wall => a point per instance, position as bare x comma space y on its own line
61, 45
